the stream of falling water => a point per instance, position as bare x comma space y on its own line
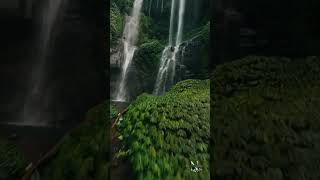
150, 7
130, 38
34, 112
166, 73
161, 6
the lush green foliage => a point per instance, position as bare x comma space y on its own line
153, 36
146, 61
123, 5
266, 119
165, 134
201, 31
116, 24
147, 30
84, 154
113, 111
12, 161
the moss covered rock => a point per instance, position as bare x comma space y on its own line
146, 62
265, 119
168, 136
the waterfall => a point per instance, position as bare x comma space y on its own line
180, 22
173, 3
129, 40
34, 112
161, 6
166, 73
150, 7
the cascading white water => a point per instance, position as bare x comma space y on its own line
34, 107
173, 5
150, 7
161, 6
166, 73
180, 22
130, 38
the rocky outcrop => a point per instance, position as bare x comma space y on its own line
116, 58
193, 56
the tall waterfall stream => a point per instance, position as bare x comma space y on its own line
34, 110
166, 73
129, 38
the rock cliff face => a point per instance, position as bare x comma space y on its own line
75, 73
194, 56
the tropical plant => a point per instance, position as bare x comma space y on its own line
168, 136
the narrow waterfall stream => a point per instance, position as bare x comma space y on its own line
166, 73
129, 38
34, 110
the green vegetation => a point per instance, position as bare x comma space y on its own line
146, 29
153, 36
12, 161
266, 119
123, 5
116, 24
203, 32
146, 60
113, 111
166, 137
166, 134
84, 153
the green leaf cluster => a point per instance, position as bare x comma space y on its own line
123, 5
146, 61
164, 134
116, 24
84, 153
113, 111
